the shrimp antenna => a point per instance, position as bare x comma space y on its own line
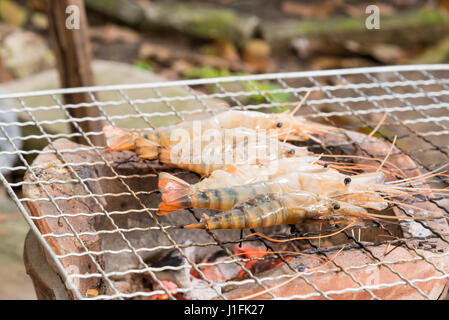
388, 154
379, 124
319, 157
258, 234
415, 188
281, 252
364, 158
346, 167
421, 176
292, 113
350, 194
383, 216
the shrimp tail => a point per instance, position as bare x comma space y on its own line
118, 139
221, 221
200, 225
174, 193
165, 157
146, 149
165, 209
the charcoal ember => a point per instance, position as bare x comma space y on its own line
197, 289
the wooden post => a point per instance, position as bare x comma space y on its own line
70, 42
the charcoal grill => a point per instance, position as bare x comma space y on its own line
93, 212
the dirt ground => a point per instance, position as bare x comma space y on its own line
14, 282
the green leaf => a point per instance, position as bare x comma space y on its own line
206, 72
143, 65
265, 88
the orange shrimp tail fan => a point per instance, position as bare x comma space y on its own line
118, 139
174, 193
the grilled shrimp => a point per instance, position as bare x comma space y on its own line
234, 146
325, 181
281, 126
235, 175
208, 153
237, 147
275, 209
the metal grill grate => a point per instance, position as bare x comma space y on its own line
415, 98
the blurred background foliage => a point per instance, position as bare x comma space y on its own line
213, 38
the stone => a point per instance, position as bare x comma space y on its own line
198, 21
201, 21
402, 29
129, 12
15, 48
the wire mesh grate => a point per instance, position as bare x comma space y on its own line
93, 211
